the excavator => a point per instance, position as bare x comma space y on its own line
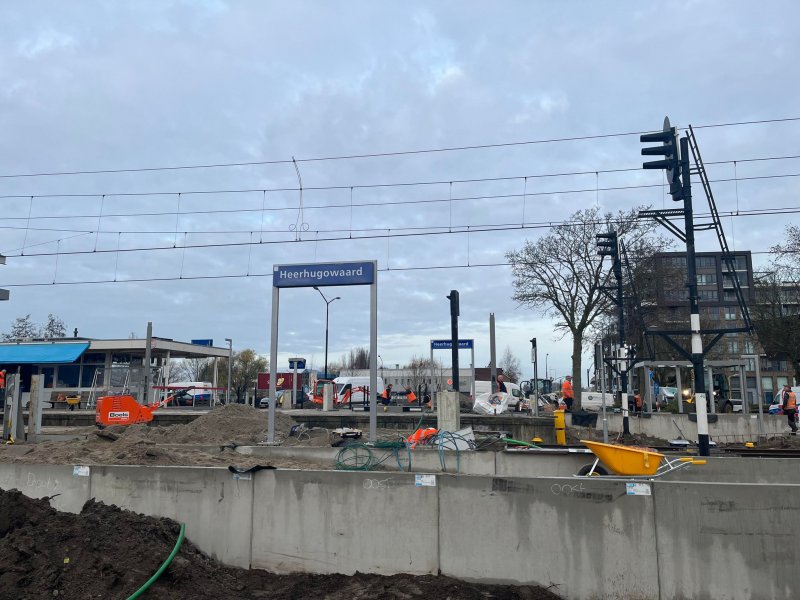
125, 410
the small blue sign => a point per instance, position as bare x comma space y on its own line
448, 344
203, 342
301, 364
323, 274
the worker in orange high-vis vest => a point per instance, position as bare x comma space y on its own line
411, 397
790, 407
567, 392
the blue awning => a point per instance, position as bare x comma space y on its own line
38, 354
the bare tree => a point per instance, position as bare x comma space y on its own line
560, 274
511, 366
776, 317
24, 328
787, 254
422, 371
193, 369
54, 328
358, 359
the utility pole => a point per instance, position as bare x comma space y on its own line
677, 166
694, 306
3, 293
454, 312
535, 361
492, 354
147, 349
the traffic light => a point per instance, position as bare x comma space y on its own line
453, 297
607, 244
669, 150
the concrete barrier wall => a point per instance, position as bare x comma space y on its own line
589, 538
332, 522
549, 463
579, 535
727, 542
215, 505
69, 489
728, 428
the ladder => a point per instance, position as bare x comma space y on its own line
90, 403
715, 224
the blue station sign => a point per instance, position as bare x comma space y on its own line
448, 344
323, 274
203, 342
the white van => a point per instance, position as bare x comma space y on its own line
352, 389
594, 401
485, 387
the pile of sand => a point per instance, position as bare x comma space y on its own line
231, 424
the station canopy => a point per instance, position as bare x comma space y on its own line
40, 354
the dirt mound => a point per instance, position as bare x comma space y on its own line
105, 552
233, 423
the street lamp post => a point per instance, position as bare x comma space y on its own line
230, 364
546, 372
327, 306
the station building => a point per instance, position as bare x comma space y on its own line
95, 367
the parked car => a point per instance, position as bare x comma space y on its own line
264, 402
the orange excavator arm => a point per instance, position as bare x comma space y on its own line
167, 399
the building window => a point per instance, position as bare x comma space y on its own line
729, 313
87, 376
675, 261
782, 381
707, 279
706, 262
708, 294
749, 347
48, 373
712, 313
68, 376
733, 346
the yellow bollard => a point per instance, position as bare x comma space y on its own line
561, 428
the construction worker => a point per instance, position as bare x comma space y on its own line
411, 397
386, 396
3, 386
567, 392
789, 403
501, 387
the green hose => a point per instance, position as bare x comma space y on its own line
163, 567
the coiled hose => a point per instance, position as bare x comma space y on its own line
163, 566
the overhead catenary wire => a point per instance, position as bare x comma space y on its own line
371, 233
270, 274
430, 182
485, 146
177, 213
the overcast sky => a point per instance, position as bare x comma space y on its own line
122, 85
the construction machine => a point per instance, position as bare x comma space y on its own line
125, 410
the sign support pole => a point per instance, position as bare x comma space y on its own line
273, 365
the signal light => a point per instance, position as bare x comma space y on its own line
607, 244
669, 150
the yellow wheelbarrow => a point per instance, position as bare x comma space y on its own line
630, 461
